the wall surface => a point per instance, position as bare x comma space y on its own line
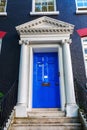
18, 12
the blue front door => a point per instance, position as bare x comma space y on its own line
46, 93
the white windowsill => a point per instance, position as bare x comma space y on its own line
45, 13
3, 13
81, 11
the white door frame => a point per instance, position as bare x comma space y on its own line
46, 48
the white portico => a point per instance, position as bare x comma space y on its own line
45, 36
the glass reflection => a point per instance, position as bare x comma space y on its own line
44, 5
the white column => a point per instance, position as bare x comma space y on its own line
21, 109
71, 107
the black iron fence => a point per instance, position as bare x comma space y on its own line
81, 97
7, 104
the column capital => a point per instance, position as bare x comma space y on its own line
26, 42
68, 41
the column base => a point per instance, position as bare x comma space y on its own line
71, 110
20, 111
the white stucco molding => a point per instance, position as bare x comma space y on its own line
45, 25
33, 39
26, 42
45, 13
68, 41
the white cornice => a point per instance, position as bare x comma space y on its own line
45, 25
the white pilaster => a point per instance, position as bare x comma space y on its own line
23, 82
62, 89
30, 79
71, 107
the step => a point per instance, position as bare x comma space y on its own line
37, 120
46, 119
60, 126
46, 109
46, 114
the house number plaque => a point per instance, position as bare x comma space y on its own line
46, 84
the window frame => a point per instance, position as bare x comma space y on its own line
81, 9
4, 12
33, 12
0, 44
84, 45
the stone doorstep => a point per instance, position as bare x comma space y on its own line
46, 109
52, 124
53, 112
45, 113
67, 126
46, 120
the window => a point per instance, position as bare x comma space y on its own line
44, 7
2, 34
0, 44
84, 47
85, 51
3, 4
81, 6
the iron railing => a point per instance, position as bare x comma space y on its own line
81, 98
7, 104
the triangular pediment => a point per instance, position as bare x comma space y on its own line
45, 25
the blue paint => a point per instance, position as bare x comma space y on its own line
46, 81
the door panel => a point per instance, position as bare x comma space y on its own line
46, 93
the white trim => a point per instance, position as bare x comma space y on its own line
3, 13
30, 79
43, 48
45, 38
0, 44
55, 7
62, 87
45, 13
81, 11
45, 26
84, 45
